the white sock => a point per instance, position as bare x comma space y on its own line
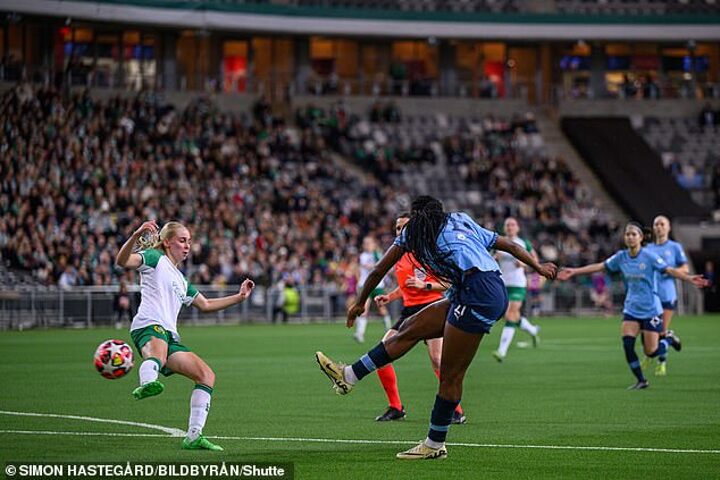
433, 443
199, 408
528, 327
506, 339
148, 371
360, 326
387, 321
349, 375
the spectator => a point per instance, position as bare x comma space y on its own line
121, 305
288, 302
600, 293
69, 277
651, 89
708, 117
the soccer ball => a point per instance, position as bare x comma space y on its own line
113, 359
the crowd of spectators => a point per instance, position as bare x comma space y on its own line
78, 175
501, 158
263, 200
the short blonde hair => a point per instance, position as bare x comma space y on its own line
168, 231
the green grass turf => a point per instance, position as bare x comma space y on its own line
570, 391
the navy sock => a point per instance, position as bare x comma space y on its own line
662, 350
441, 418
371, 361
632, 358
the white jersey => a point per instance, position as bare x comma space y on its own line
367, 263
163, 292
513, 270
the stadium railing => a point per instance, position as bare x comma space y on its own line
82, 307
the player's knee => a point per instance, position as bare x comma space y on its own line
206, 377
450, 388
158, 354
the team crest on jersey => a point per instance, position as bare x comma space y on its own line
461, 236
642, 266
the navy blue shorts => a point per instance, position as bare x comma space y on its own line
654, 324
480, 301
669, 305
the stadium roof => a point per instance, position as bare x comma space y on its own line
240, 16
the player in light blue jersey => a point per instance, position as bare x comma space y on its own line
673, 254
456, 250
641, 311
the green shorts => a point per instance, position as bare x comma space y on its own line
376, 292
516, 294
143, 335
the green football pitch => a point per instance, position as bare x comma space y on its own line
561, 410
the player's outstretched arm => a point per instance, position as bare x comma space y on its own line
214, 304
682, 274
568, 273
125, 258
390, 258
547, 270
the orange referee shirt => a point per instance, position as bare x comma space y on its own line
408, 267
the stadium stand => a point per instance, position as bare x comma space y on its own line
629, 168
637, 7
271, 203
622, 7
460, 6
101, 166
690, 151
491, 166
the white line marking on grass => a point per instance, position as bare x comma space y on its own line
376, 442
84, 434
175, 432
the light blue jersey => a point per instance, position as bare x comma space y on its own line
673, 254
640, 277
466, 242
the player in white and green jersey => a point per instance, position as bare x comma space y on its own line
163, 291
513, 274
368, 258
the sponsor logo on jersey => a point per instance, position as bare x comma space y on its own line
179, 291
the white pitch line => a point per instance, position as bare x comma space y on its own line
84, 434
175, 432
377, 442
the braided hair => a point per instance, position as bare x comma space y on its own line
427, 220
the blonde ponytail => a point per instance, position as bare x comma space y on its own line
155, 241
